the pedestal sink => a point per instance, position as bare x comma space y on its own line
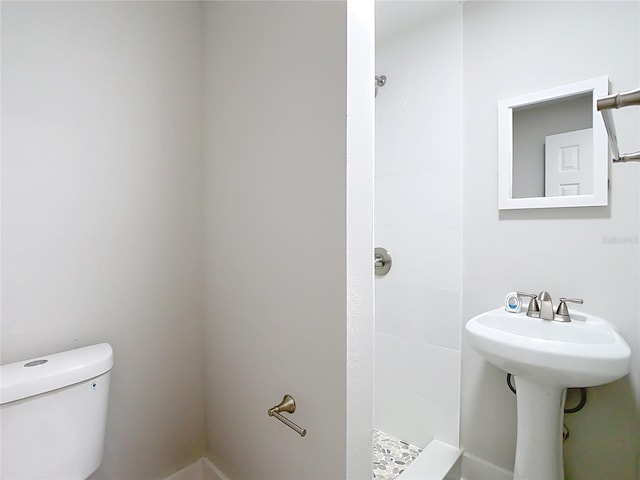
547, 357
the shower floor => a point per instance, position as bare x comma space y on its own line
391, 456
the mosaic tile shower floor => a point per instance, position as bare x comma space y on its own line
391, 456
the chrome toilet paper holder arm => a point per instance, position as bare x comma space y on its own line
288, 404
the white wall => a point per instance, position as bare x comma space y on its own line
103, 237
418, 218
360, 195
101, 211
276, 235
511, 48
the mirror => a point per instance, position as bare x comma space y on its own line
552, 149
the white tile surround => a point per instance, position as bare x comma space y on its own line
415, 407
418, 218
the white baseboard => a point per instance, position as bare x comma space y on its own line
201, 469
474, 468
438, 461
191, 472
211, 471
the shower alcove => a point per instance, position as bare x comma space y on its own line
418, 219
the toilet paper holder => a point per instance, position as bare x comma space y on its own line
288, 404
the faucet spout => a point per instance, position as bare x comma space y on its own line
546, 306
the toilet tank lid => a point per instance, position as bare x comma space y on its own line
43, 374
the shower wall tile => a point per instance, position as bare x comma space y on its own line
407, 365
419, 419
412, 312
408, 150
418, 119
419, 199
429, 259
421, 394
418, 218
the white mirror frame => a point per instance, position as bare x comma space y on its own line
599, 87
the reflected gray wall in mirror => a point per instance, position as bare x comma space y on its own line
531, 125
553, 149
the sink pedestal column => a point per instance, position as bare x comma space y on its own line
539, 434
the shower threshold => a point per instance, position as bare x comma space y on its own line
391, 456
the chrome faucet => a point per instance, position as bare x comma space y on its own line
541, 306
546, 306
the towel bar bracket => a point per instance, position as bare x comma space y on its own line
604, 105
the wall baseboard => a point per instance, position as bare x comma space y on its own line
211, 471
473, 468
201, 469
190, 472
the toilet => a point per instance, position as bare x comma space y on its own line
53, 412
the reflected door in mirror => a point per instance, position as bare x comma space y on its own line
569, 163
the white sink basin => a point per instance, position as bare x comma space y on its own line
585, 352
546, 357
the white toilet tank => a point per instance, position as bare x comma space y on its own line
53, 414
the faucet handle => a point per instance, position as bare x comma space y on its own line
534, 309
572, 300
562, 314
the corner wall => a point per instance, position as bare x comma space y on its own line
511, 48
102, 211
360, 331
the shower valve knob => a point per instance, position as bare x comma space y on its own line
382, 261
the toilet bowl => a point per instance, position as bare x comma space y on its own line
53, 412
